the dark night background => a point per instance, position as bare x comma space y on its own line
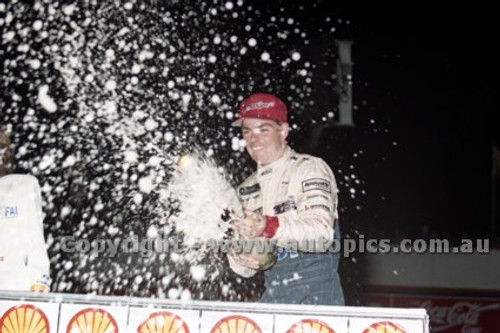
425, 94
420, 153
428, 77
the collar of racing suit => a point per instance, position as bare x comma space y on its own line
264, 172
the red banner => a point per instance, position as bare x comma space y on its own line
449, 312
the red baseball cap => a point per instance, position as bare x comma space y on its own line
262, 106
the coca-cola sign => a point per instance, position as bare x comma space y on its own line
448, 313
463, 313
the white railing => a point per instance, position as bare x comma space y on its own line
75, 313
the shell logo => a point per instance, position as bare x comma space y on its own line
384, 327
236, 324
92, 320
24, 318
310, 326
163, 322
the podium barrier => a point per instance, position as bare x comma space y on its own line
76, 313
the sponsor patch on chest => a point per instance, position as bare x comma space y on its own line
249, 189
316, 184
284, 206
266, 172
9, 211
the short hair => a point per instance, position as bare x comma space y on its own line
6, 153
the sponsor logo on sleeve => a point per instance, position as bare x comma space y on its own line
316, 184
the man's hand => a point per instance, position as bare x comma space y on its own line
41, 288
244, 260
251, 226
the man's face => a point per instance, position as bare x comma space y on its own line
265, 139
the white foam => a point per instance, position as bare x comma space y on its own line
204, 194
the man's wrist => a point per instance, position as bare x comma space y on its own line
272, 224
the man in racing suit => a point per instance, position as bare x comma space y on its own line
291, 199
24, 263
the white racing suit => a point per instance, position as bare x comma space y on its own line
298, 196
24, 263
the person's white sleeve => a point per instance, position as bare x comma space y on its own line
38, 264
309, 227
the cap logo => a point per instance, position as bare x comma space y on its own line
258, 105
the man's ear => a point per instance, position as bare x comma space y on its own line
285, 129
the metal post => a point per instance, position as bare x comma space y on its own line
344, 82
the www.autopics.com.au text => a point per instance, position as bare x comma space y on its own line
149, 246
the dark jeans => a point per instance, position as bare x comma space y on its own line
304, 278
